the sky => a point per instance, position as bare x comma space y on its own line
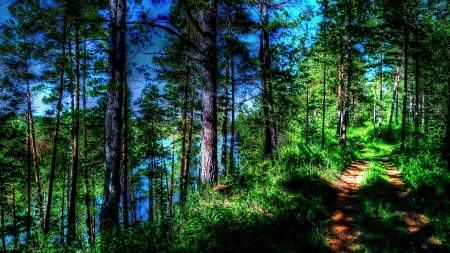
137, 83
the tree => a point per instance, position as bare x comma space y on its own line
109, 214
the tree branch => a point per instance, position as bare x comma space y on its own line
199, 29
169, 30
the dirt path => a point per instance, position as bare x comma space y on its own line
343, 228
344, 231
420, 230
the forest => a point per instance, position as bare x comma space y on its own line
225, 126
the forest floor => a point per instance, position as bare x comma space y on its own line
359, 225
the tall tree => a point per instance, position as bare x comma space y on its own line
109, 213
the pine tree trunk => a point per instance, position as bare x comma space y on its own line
2, 211
264, 57
28, 183
189, 145
35, 155
324, 78
87, 200
183, 175
14, 220
394, 96
63, 208
223, 164
109, 212
307, 114
125, 156
208, 142
232, 130
380, 116
405, 92
340, 95
172, 178
55, 134
348, 84
71, 233
416, 113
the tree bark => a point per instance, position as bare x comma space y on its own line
324, 77
394, 96
28, 183
109, 212
223, 164
35, 155
125, 155
71, 233
232, 130
348, 82
2, 211
55, 134
416, 113
14, 220
189, 145
405, 91
87, 197
380, 116
264, 57
307, 114
208, 142
183, 175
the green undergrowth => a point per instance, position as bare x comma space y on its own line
428, 182
280, 205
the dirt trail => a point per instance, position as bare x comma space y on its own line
420, 230
344, 231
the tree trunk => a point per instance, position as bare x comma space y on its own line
171, 177
14, 220
35, 155
183, 175
340, 95
55, 135
2, 211
349, 80
109, 212
63, 208
223, 164
324, 78
380, 113
394, 96
232, 130
264, 57
208, 144
416, 113
87, 199
307, 114
189, 145
125, 155
71, 233
405, 91
28, 183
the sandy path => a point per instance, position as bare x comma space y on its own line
343, 228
